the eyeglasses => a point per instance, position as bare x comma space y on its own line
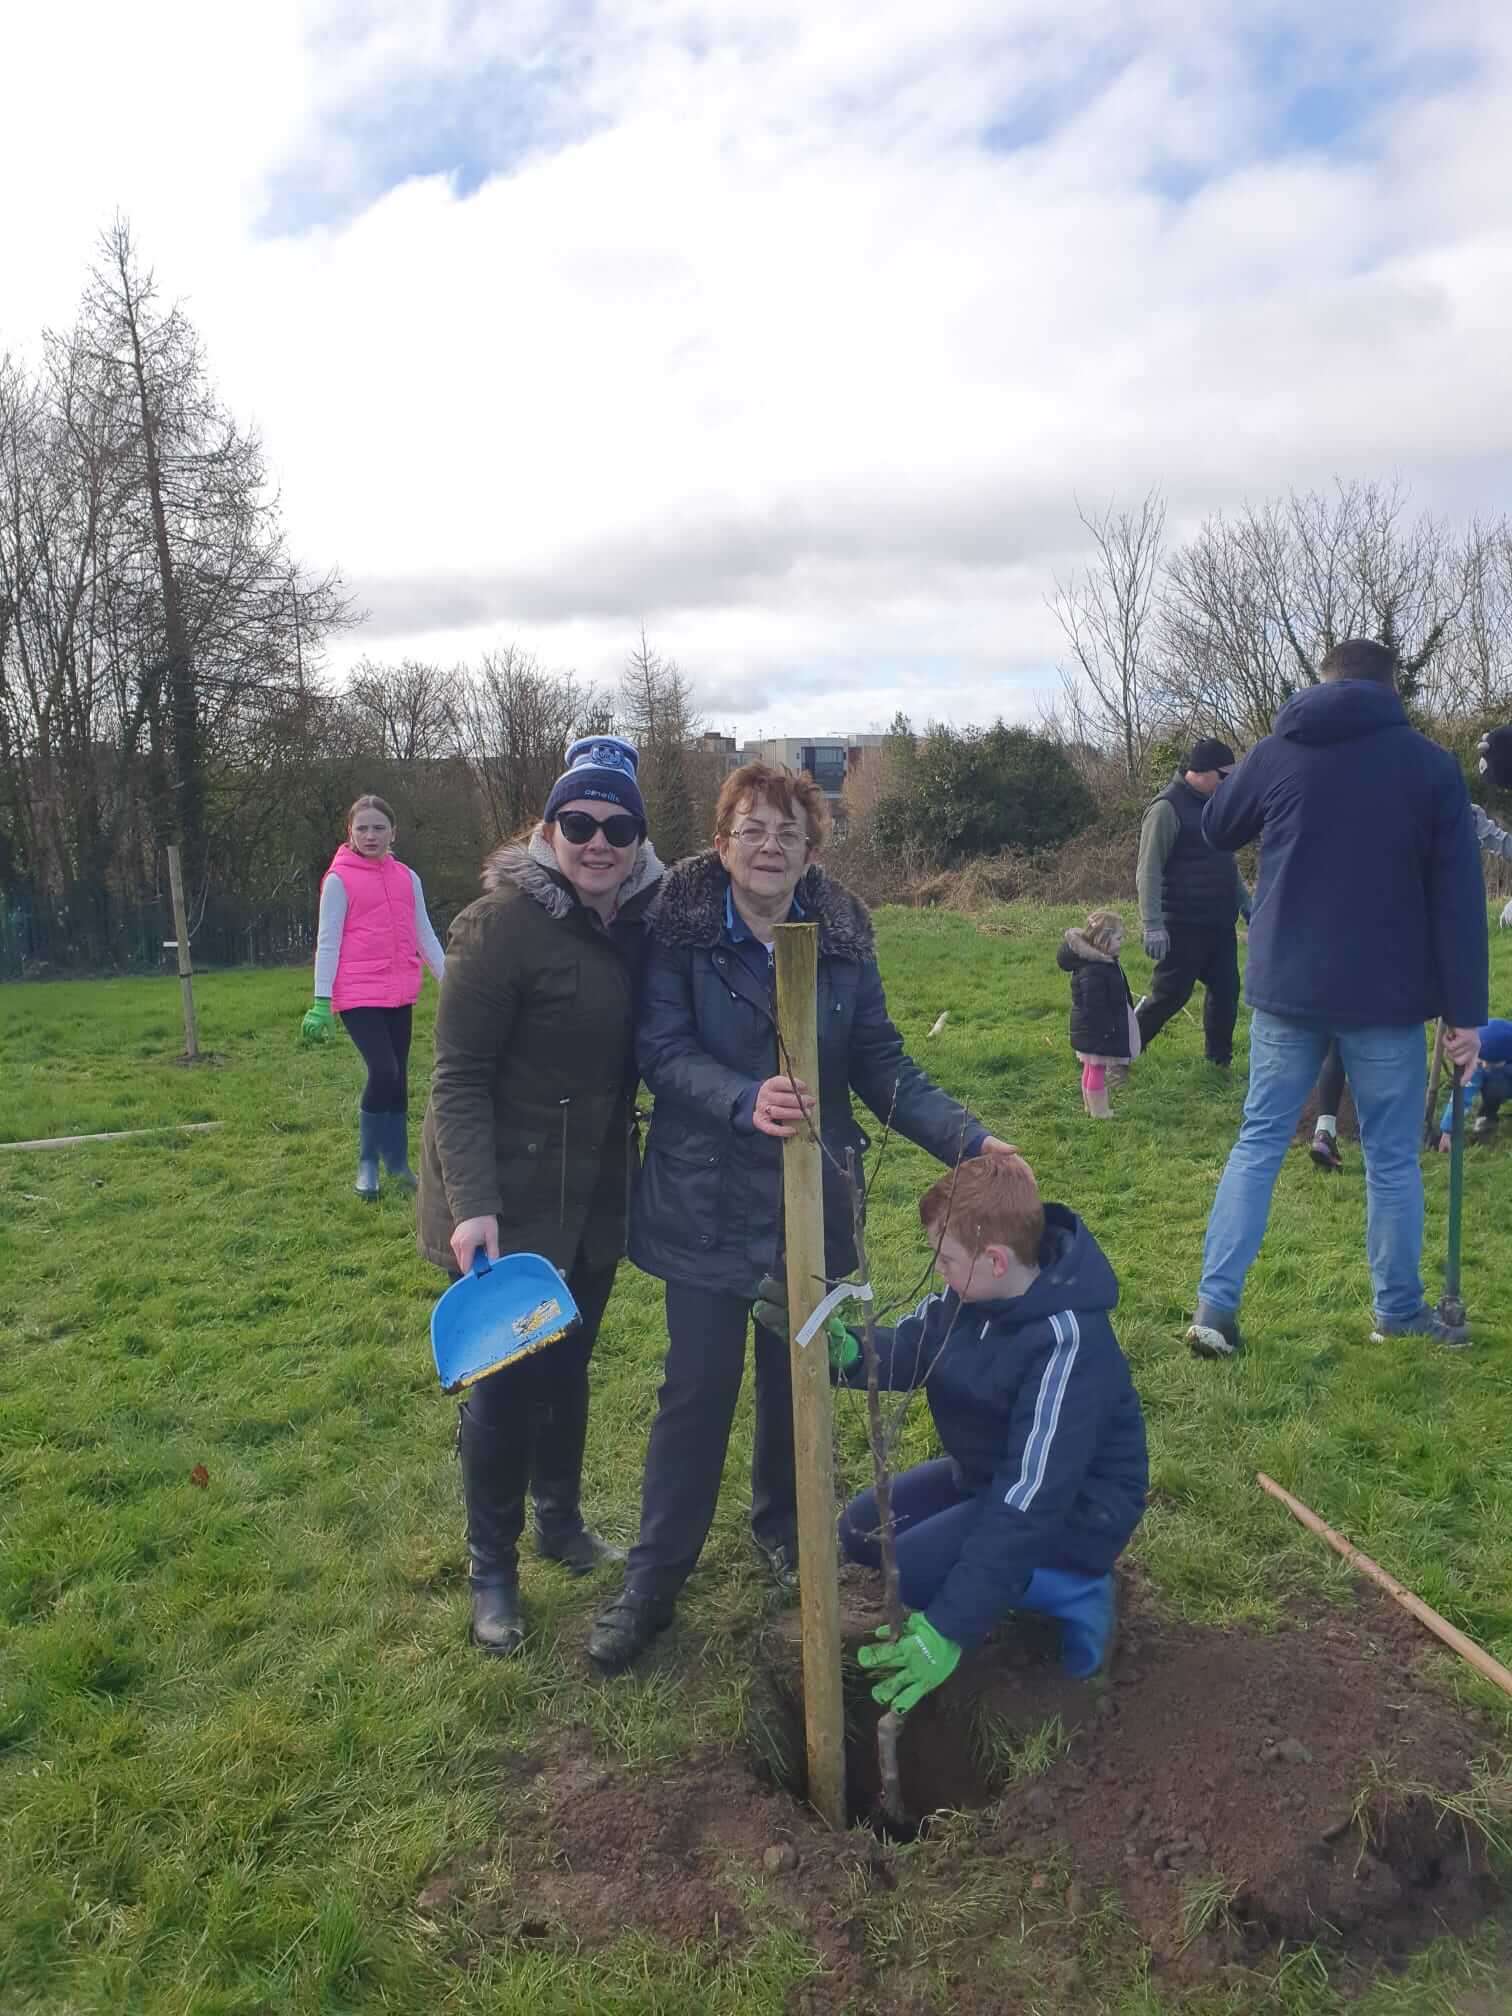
619, 829
791, 839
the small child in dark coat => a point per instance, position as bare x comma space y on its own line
1104, 1029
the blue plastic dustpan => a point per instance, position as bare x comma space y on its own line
503, 1310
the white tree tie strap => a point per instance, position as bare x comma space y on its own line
848, 1291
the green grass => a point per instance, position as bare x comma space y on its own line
239, 1727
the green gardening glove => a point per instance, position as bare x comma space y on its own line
318, 1022
914, 1664
844, 1346
771, 1312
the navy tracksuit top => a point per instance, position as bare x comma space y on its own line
1034, 1404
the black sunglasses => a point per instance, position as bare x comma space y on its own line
619, 829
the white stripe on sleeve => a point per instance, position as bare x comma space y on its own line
1047, 1412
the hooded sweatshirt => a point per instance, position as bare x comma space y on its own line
1370, 905
1034, 1404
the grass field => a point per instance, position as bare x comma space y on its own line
239, 1727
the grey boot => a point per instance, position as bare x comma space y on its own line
395, 1145
369, 1143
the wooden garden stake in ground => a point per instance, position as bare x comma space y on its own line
796, 948
186, 971
1455, 1639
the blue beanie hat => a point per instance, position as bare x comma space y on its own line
600, 766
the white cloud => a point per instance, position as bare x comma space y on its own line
751, 336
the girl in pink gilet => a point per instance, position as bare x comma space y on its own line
373, 935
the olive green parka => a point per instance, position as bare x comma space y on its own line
531, 1113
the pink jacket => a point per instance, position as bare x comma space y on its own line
379, 965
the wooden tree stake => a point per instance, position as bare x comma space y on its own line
797, 956
186, 971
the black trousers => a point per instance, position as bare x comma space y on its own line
525, 1427
706, 1354
383, 1037
1331, 1079
1205, 952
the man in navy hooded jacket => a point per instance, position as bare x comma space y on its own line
1369, 920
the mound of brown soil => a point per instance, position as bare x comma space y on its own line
1240, 1792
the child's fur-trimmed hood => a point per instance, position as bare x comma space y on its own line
1078, 943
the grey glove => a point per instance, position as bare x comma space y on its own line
1157, 943
771, 1308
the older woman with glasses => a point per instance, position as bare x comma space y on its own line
707, 1216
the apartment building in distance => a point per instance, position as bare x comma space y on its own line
829, 760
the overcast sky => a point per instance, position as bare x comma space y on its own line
790, 330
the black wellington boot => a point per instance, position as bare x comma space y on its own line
369, 1142
559, 1430
493, 1491
395, 1142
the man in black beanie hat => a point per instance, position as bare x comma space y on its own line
1189, 898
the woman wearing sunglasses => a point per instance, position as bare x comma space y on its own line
527, 1145
708, 1207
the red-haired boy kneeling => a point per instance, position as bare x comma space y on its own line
1045, 1473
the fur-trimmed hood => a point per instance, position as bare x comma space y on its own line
533, 870
689, 909
1080, 946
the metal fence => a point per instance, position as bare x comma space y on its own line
101, 935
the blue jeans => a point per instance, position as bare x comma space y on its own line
1387, 1069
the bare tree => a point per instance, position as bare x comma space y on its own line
1225, 661
215, 615
1470, 679
1254, 604
514, 723
1351, 564
656, 706
409, 711
1107, 615
70, 726
151, 619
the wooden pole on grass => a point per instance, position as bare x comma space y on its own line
186, 971
1455, 1639
796, 948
